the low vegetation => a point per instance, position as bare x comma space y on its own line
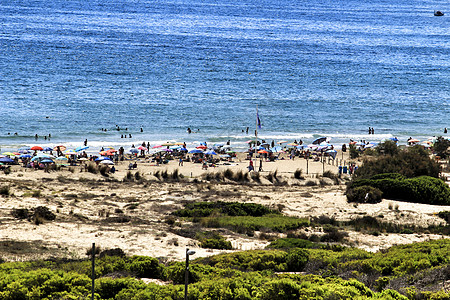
413, 271
239, 217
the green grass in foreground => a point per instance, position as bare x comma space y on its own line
415, 271
244, 224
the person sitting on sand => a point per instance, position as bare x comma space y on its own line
250, 166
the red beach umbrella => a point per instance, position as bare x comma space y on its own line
61, 147
38, 148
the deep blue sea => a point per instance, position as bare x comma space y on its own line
313, 68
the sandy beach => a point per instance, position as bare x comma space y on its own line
88, 208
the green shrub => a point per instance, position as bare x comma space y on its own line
213, 240
205, 209
412, 162
256, 260
364, 194
144, 266
5, 190
441, 147
244, 224
354, 152
445, 215
297, 259
387, 148
423, 189
287, 243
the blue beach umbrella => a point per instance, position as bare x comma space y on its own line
102, 158
6, 160
47, 161
47, 149
24, 148
196, 151
25, 156
81, 148
134, 150
211, 152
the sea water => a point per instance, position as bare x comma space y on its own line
71, 68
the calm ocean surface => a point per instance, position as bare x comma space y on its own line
313, 68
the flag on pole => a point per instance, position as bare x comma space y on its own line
258, 120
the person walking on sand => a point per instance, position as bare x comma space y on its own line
260, 166
180, 162
250, 166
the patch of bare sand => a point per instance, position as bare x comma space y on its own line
90, 209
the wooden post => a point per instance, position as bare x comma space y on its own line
93, 269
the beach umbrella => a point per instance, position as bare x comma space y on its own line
111, 152
47, 161
36, 148
8, 153
282, 142
24, 151
103, 153
211, 152
70, 152
142, 148
61, 147
47, 149
225, 156
101, 158
319, 140
168, 144
81, 148
413, 141
6, 160
277, 149
107, 162
25, 156
179, 144
230, 151
24, 148
263, 151
62, 158
394, 139
196, 151
134, 150
157, 146
202, 147
331, 153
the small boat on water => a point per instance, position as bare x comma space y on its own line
438, 13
